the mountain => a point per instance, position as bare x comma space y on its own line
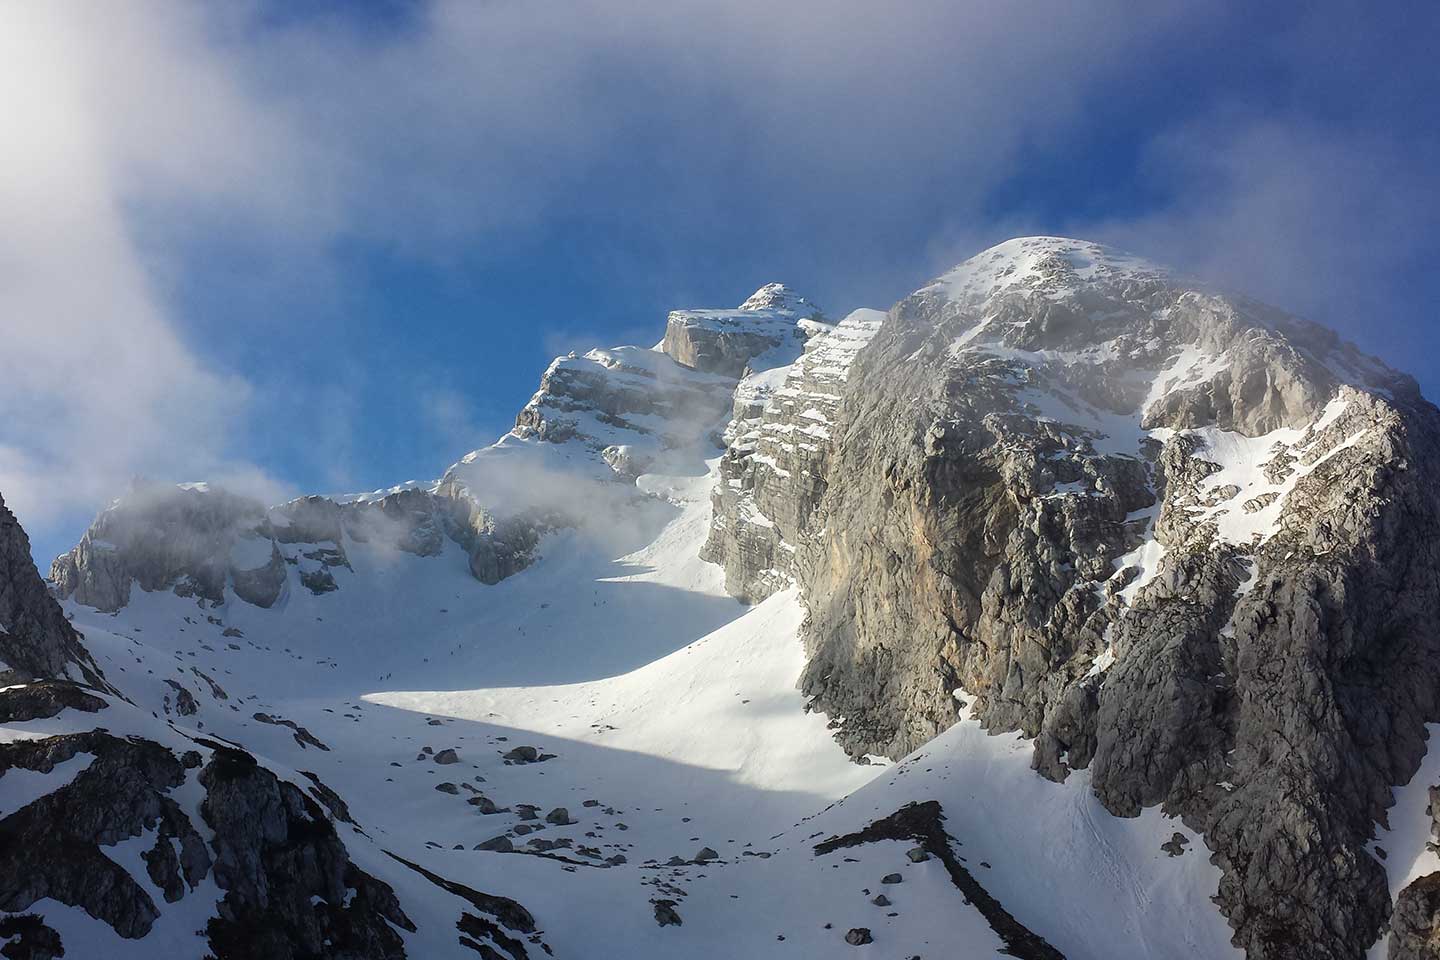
1069, 608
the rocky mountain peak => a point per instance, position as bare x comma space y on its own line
779, 297
764, 332
1054, 266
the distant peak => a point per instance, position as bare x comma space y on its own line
777, 296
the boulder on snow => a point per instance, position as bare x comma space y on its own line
665, 914
500, 844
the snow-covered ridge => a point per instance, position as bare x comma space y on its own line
1056, 266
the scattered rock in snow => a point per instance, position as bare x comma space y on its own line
665, 914
1175, 845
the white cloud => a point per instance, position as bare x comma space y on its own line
1329, 224
105, 107
137, 134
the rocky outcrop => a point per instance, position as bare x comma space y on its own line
35, 638
1177, 537
626, 404
291, 889
925, 824
194, 539
775, 468
774, 319
200, 541
1415, 925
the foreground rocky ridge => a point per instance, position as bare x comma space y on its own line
1181, 539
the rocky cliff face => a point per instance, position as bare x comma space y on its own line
1179, 538
198, 541
771, 324
775, 468
35, 638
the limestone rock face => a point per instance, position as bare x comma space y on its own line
774, 471
633, 402
774, 318
1415, 926
1177, 537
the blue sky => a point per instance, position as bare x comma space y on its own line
330, 246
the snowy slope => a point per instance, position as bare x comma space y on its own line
675, 708
676, 771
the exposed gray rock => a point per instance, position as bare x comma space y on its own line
199, 540
190, 538
1415, 924
625, 403
52, 847
185, 704
290, 888
775, 469
725, 341
500, 844
28, 937
43, 699
665, 913
1035, 491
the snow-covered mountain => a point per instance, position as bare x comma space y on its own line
1082, 611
